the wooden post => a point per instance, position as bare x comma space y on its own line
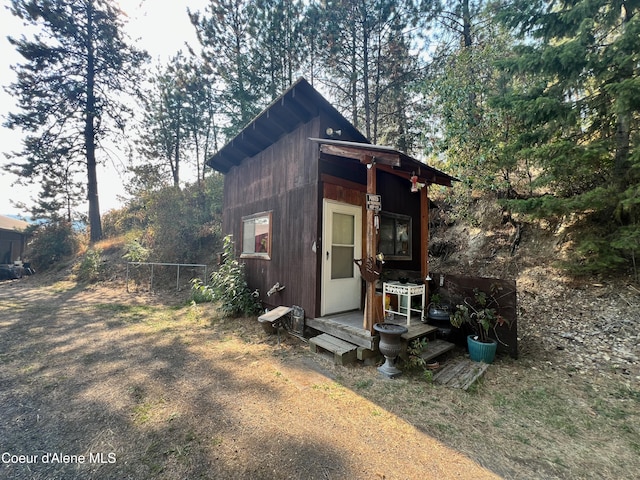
424, 237
371, 246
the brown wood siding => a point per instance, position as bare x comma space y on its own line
282, 179
12, 245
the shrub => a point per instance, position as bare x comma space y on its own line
136, 252
51, 242
229, 286
91, 266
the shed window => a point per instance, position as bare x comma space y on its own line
256, 235
395, 236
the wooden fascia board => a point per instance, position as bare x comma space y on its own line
428, 176
363, 155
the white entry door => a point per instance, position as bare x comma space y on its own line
341, 244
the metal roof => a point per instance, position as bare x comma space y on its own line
388, 158
298, 105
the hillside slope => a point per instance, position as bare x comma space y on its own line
575, 324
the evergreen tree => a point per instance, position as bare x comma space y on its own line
358, 41
467, 125
76, 66
178, 124
582, 117
279, 45
226, 33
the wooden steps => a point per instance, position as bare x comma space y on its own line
342, 352
419, 330
435, 348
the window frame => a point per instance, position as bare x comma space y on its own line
397, 217
260, 255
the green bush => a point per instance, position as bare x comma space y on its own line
228, 287
200, 291
91, 266
49, 243
135, 252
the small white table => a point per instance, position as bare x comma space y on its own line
403, 290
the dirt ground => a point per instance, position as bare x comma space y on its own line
99, 383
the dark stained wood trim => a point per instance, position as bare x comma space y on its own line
424, 236
370, 250
364, 156
343, 183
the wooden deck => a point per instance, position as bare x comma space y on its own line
348, 327
345, 326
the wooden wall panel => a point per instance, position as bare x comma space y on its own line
281, 179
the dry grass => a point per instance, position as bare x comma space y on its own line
177, 391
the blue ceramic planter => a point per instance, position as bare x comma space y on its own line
481, 352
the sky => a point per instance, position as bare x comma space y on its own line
159, 26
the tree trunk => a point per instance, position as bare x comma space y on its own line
95, 224
365, 73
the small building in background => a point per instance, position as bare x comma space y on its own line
13, 239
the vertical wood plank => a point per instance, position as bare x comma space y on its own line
370, 250
424, 237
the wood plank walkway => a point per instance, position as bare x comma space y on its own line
460, 373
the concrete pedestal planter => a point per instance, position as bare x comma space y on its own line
390, 346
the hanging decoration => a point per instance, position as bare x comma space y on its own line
415, 185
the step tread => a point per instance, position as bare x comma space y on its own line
435, 348
342, 352
419, 330
331, 343
461, 373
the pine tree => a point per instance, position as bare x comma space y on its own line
67, 91
226, 33
582, 118
178, 124
279, 43
357, 41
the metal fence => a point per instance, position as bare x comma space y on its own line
155, 264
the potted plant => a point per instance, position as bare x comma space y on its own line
481, 314
437, 308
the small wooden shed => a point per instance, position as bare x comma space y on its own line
306, 194
13, 240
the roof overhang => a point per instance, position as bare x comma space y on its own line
295, 107
9, 224
386, 159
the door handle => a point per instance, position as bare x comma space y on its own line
327, 255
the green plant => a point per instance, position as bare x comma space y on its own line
480, 313
229, 286
136, 252
414, 354
435, 299
200, 291
49, 243
91, 266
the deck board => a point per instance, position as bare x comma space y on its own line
460, 373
